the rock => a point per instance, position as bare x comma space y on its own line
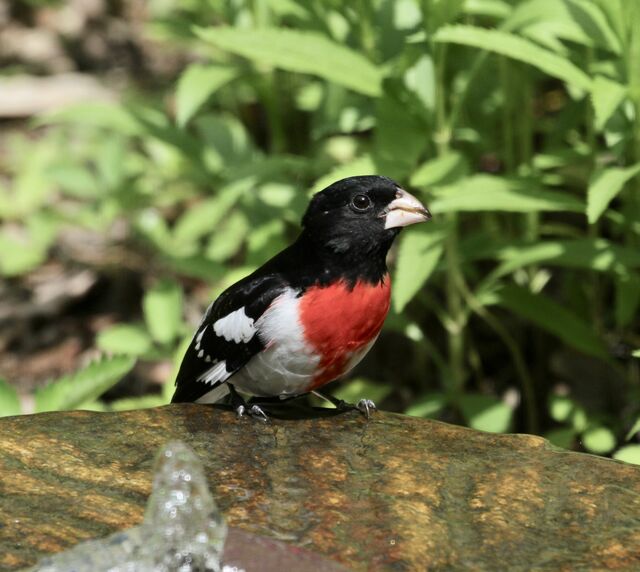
392, 493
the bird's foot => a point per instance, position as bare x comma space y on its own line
254, 411
257, 413
243, 408
366, 407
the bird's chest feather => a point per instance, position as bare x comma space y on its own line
341, 323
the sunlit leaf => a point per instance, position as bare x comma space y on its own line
517, 48
89, 383
297, 51
112, 116
9, 400
202, 217
125, 339
162, 307
604, 188
361, 388
132, 403
427, 406
440, 171
607, 95
628, 454
361, 166
418, 256
560, 407
633, 430
229, 237
498, 9
600, 440
574, 20
486, 413
197, 84
490, 193
594, 254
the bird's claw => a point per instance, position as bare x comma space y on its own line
257, 412
366, 407
254, 411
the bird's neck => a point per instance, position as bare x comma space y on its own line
346, 259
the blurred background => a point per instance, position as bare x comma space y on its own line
154, 152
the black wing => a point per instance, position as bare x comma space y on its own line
211, 359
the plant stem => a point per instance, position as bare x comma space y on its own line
456, 322
519, 363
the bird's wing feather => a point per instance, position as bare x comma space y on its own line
226, 338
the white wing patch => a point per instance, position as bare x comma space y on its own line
236, 327
199, 338
215, 374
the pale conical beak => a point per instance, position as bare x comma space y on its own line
404, 210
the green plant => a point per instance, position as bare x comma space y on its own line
74, 391
516, 122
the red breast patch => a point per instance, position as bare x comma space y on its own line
339, 321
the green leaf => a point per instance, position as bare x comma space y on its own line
516, 48
202, 217
18, 256
112, 116
577, 21
553, 318
636, 353
560, 408
627, 298
427, 406
633, 430
296, 51
628, 454
490, 193
88, 384
579, 420
398, 139
442, 170
593, 254
196, 85
606, 96
418, 256
9, 400
162, 307
125, 339
361, 166
132, 403
361, 388
486, 413
600, 440
605, 186
497, 9
562, 437
229, 237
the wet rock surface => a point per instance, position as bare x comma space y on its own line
392, 493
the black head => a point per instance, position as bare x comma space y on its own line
356, 219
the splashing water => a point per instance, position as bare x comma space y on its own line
183, 530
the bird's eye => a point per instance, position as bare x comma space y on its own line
361, 202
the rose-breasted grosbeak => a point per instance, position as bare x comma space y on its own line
313, 311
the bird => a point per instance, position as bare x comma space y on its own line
309, 314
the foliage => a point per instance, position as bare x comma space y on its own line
73, 391
516, 122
